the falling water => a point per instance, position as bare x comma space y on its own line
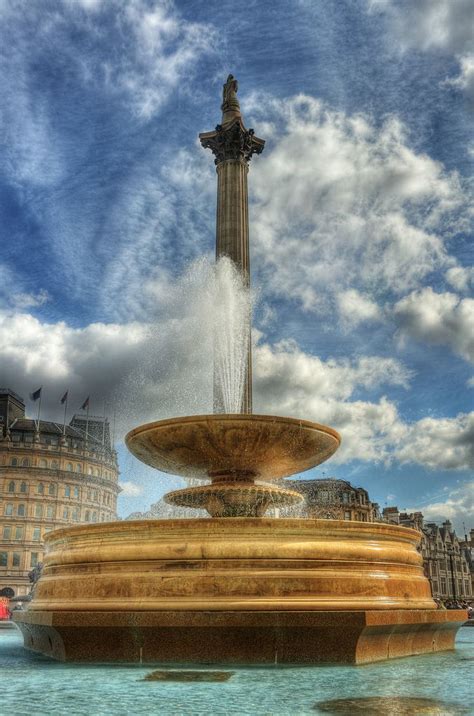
231, 321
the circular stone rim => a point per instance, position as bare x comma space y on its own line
241, 417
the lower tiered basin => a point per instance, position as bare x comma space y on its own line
234, 590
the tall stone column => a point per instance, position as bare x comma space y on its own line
233, 146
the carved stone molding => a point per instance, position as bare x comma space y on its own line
232, 142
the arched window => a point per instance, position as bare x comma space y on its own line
23, 487
25, 462
67, 491
42, 463
11, 486
69, 467
14, 461
21, 510
78, 468
40, 488
9, 509
52, 489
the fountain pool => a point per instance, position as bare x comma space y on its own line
32, 683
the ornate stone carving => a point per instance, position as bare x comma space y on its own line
234, 142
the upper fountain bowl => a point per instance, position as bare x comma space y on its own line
224, 446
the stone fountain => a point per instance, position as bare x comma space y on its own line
237, 587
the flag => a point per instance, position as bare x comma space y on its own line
64, 398
85, 404
36, 394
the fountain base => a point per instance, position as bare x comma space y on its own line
239, 637
235, 590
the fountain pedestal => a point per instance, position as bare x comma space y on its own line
235, 590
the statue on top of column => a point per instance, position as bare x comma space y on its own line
230, 104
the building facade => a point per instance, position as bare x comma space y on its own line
50, 476
333, 499
444, 556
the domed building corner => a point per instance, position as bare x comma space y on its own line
51, 475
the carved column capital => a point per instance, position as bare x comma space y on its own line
232, 141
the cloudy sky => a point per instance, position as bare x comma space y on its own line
361, 222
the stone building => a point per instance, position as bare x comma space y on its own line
444, 557
333, 499
50, 476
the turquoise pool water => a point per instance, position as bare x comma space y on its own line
32, 685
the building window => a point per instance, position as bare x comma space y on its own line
51, 489
89, 495
67, 491
9, 509
16, 437
69, 467
25, 462
347, 515
19, 533
34, 559
3, 559
21, 511
14, 461
38, 510
40, 488
96, 496
345, 497
7, 531
11, 486
23, 487
55, 464
94, 517
42, 463
78, 468
36, 534
65, 513
89, 471
76, 492
75, 515
50, 511
16, 559
87, 516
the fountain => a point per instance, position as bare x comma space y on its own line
236, 587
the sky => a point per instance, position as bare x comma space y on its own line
360, 223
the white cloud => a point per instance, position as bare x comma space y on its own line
457, 506
155, 372
430, 24
440, 443
351, 205
438, 318
30, 300
460, 278
465, 80
130, 489
434, 25
356, 308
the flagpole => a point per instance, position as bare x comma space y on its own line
87, 422
65, 412
39, 410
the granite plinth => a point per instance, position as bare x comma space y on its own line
273, 637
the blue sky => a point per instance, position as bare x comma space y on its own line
361, 221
